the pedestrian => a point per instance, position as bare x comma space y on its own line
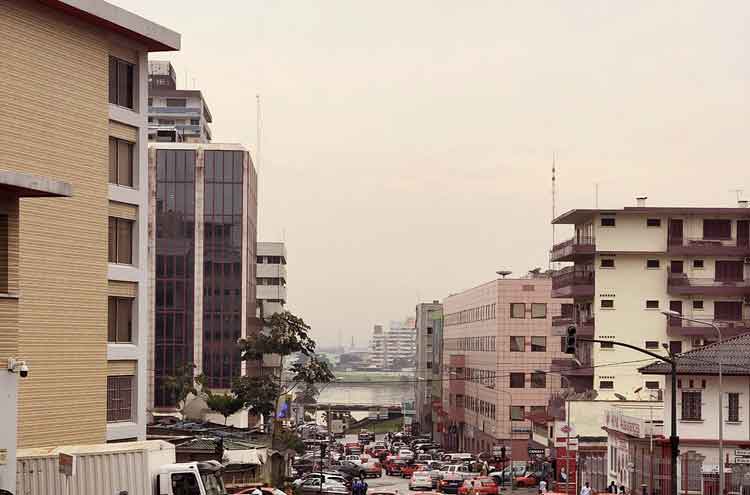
586, 489
612, 488
543, 486
364, 487
622, 489
357, 486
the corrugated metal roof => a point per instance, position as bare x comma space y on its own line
734, 354
145, 445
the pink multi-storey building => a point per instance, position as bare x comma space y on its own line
498, 347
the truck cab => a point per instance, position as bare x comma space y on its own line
190, 478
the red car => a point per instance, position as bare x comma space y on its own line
483, 485
408, 469
373, 468
394, 467
528, 479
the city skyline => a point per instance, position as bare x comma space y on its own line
403, 148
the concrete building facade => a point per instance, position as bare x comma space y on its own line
630, 264
498, 344
271, 277
203, 217
429, 341
395, 346
175, 115
74, 77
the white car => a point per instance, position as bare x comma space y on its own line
406, 454
353, 458
420, 480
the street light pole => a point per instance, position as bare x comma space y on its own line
567, 435
675, 314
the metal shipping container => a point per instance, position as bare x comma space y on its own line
99, 469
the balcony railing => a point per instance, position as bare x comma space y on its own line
584, 326
705, 246
685, 328
568, 365
681, 284
570, 249
192, 111
573, 281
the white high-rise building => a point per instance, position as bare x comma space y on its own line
394, 347
271, 277
631, 264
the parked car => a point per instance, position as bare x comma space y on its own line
451, 482
352, 469
483, 485
373, 468
420, 480
336, 477
394, 467
312, 487
461, 470
528, 479
410, 469
406, 454
505, 475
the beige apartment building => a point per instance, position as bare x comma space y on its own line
629, 265
498, 346
73, 96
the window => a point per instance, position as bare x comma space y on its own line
4, 262
539, 310
516, 413
187, 484
120, 240
652, 263
698, 264
729, 271
538, 380
195, 122
606, 385
517, 343
538, 344
652, 385
150, 101
728, 310
607, 263
120, 162
517, 380
608, 222
698, 304
652, 304
608, 303
653, 222
675, 346
652, 344
166, 121
121, 76
429, 330
119, 398
717, 229
120, 320
733, 404
606, 345
176, 102
691, 406
517, 310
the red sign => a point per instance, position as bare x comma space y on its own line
562, 475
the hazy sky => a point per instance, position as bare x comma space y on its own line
407, 145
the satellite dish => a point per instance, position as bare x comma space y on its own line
504, 273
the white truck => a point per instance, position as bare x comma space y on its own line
130, 468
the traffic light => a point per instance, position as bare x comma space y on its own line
570, 340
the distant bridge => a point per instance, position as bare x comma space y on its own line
392, 408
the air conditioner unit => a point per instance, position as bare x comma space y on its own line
747, 260
746, 299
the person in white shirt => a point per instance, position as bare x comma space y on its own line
586, 489
543, 486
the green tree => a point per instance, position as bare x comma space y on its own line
183, 383
283, 334
224, 404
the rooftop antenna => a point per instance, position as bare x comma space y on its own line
554, 206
